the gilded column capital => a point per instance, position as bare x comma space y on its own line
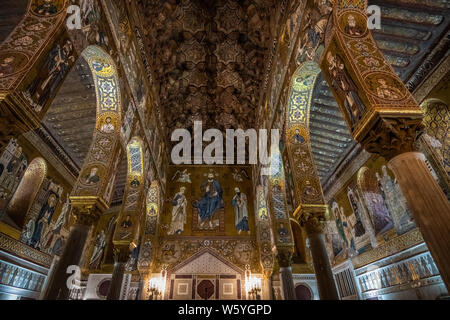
284, 256
85, 216
87, 210
121, 253
392, 137
311, 217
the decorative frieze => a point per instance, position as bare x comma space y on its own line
21, 250
417, 271
311, 217
14, 276
397, 244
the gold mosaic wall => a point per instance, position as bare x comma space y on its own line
182, 233
194, 180
377, 215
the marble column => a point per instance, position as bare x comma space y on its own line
284, 257
312, 219
429, 205
121, 255
322, 267
73, 250
50, 277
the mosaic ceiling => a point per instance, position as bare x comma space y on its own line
208, 59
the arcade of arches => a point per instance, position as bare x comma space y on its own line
353, 204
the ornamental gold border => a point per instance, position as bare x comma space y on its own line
20, 249
397, 244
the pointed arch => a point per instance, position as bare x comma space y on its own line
127, 230
101, 160
264, 233
107, 88
307, 185
300, 95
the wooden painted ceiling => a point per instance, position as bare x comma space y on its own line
71, 116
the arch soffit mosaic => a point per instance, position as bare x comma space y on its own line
102, 158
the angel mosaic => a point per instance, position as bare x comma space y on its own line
182, 176
240, 174
372, 196
315, 25
310, 192
395, 202
387, 92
